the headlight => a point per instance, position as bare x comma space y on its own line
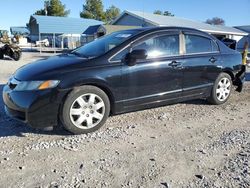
36, 85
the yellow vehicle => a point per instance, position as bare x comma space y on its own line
4, 38
243, 46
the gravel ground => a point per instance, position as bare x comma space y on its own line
191, 144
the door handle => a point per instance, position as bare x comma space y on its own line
212, 59
174, 64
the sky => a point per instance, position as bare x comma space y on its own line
234, 12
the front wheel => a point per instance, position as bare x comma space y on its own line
221, 90
85, 110
16, 56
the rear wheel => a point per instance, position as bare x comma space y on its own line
1, 54
221, 90
85, 110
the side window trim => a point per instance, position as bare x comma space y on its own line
216, 44
199, 35
113, 56
182, 44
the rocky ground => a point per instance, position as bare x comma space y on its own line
191, 144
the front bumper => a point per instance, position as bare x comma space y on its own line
39, 109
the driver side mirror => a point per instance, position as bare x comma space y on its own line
135, 55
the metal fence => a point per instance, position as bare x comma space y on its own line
58, 42
55, 42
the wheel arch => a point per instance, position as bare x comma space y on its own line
230, 73
106, 90
99, 83
103, 87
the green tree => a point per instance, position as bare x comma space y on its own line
165, 13
93, 9
215, 21
40, 12
53, 8
111, 13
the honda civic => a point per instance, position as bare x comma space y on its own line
123, 72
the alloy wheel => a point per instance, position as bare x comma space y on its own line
223, 89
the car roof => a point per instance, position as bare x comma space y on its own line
148, 30
144, 30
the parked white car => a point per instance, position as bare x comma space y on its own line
44, 42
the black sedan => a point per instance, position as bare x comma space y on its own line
123, 72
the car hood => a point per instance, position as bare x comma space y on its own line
48, 67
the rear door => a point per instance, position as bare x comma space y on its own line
200, 59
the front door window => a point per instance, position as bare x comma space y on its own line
160, 46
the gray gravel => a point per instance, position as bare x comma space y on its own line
191, 144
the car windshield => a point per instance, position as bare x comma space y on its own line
102, 45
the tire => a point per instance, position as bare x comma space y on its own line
1, 54
85, 110
221, 90
16, 56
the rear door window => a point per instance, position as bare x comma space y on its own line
199, 44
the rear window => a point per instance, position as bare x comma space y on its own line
199, 44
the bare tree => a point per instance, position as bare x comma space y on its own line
165, 13
215, 21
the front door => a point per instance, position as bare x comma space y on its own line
156, 79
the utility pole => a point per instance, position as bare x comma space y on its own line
46, 7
